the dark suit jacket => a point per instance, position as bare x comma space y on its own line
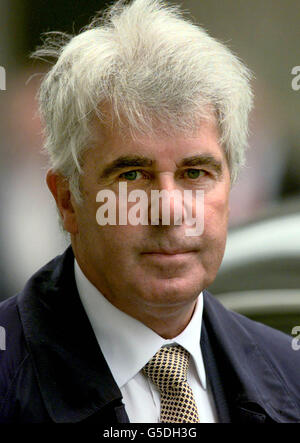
53, 371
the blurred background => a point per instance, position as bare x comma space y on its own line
260, 275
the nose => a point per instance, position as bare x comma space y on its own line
165, 181
166, 201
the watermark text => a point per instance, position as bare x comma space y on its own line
2, 339
183, 207
2, 79
296, 79
296, 340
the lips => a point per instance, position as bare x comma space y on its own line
168, 252
168, 259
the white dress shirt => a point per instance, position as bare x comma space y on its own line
127, 345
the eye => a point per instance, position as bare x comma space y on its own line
194, 173
130, 175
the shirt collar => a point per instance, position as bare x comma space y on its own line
130, 345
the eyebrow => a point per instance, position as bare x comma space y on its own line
125, 162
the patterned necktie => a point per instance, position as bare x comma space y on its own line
168, 371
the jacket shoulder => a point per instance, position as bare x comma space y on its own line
21, 397
278, 349
266, 349
264, 336
13, 352
12, 343
268, 339
18, 381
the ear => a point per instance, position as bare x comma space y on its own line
59, 187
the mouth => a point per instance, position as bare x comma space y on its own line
169, 256
168, 252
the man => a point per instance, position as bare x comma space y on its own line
120, 327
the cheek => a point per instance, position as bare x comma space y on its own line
86, 217
88, 228
216, 212
214, 235
119, 240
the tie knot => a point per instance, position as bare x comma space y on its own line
168, 368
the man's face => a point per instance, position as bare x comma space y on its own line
147, 266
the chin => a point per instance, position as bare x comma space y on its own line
172, 291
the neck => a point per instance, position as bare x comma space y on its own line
166, 321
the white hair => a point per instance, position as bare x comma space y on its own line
150, 64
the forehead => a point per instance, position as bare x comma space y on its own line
111, 143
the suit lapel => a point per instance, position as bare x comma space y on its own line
214, 377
